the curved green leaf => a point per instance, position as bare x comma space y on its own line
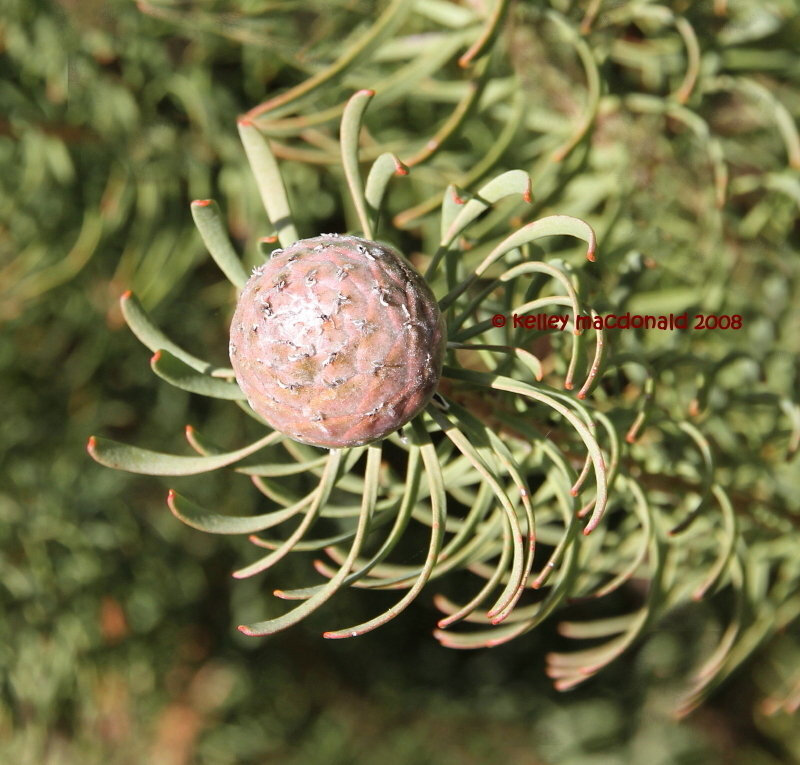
350, 129
320, 498
500, 382
153, 338
209, 223
271, 626
438, 498
135, 460
183, 376
200, 518
553, 225
505, 185
381, 172
269, 182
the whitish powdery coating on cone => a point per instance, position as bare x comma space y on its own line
337, 341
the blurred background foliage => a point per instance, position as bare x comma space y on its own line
671, 128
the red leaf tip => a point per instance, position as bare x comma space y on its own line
366, 92
91, 444
126, 295
171, 495
189, 430
527, 195
244, 121
590, 254
155, 357
202, 202
268, 239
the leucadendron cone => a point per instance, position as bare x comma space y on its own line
337, 341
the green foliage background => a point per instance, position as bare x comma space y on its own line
118, 642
